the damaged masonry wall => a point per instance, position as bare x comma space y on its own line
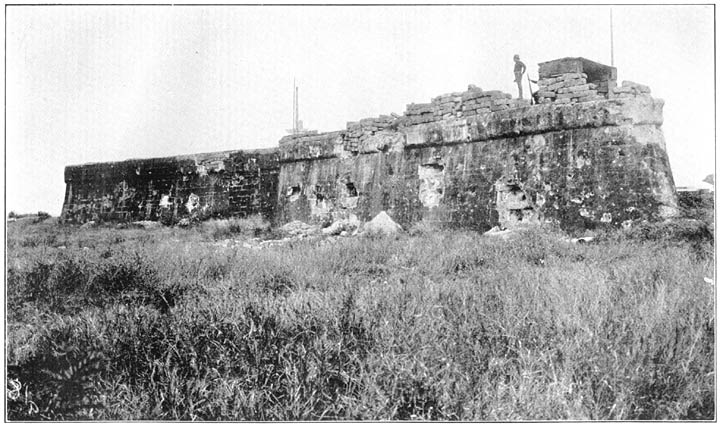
594, 156
232, 183
590, 154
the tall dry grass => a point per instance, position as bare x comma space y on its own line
131, 324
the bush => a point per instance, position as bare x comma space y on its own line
41, 216
676, 232
697, 205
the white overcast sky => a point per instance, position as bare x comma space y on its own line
109, 83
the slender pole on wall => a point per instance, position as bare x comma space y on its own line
612, 50
297, 108
294, 108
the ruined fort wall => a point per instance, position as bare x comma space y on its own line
232, 183
580, 165
587, 154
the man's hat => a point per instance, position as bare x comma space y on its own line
516, 56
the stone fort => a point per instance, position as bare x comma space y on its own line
586, 153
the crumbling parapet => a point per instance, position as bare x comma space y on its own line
636, 118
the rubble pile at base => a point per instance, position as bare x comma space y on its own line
382, 223
297, 227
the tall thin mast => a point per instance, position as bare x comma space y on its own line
297, 109
612, 50
294, 123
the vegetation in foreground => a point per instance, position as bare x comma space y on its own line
166, 324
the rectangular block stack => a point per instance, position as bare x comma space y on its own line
420, 113
567, 88
461, 104
478, 102
358, 130
447, 106
604, 77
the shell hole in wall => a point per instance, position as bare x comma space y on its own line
293, 192
351, 190
348, 195
513, 205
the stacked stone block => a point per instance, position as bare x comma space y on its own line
629, 89
602, 76
604, 87
357, 131
479, 102
567, 88
420, 113
462, 104
447, 106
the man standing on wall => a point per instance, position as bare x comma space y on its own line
519, 71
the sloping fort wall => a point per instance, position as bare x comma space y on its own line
232, 183
589, 153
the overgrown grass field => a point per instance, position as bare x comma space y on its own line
166, 324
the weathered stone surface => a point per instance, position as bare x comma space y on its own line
381, 142
578, 164
232, 183
573, 89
